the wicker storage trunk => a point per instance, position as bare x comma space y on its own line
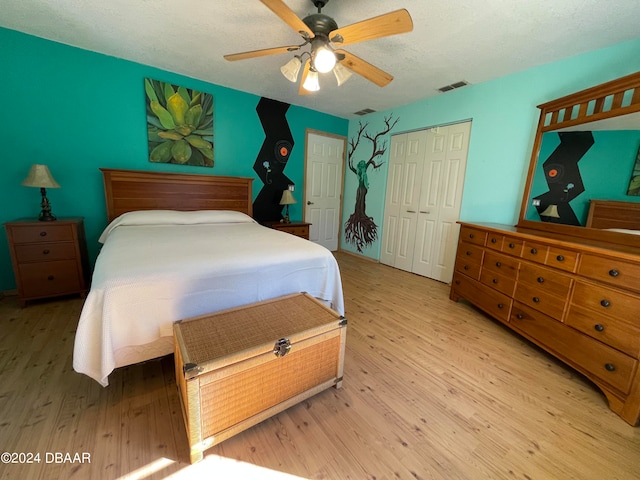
238, 367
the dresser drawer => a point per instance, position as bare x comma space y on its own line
608, 315
592, 357
45, 252
468, 267
609, 270
50, 278
512, 246
500, 282
47, 232
472, 235
566, 260
536, 252
491, 301
495, 240
299, 231
544, 279
541, 300
501, 264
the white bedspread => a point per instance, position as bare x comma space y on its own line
152, 272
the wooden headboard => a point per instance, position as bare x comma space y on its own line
614, 214
131, 190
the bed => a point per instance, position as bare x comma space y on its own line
614, 215
177, 246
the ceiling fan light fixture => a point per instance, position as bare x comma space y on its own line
341, 73
291, 69
324, 59
311, 84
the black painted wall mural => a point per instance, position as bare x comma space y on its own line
272, 159
360, 229
562, 175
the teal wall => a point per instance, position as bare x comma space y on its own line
77, 111
505, 117
605, 169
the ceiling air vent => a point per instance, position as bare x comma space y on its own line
364, 111
453, 86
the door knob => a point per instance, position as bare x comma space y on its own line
309, 202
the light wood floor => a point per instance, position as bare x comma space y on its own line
432, 390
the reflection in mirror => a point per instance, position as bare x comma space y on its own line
579, 164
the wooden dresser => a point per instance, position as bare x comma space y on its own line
49, 258
577, 299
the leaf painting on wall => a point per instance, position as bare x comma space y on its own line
634, 183
179, 124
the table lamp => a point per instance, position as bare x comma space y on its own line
40, 177
287, 199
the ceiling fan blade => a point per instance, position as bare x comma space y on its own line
365, 69
392, 23
261, 53
305, 72
288, 16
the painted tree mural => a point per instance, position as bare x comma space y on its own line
360, 230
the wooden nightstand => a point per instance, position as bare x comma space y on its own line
49, 258
299, 229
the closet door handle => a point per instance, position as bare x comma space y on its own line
425, 211
411, 211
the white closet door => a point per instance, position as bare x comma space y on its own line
424, 194
393, 198
440, 201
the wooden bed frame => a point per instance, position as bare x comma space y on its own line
132, 190
614, 214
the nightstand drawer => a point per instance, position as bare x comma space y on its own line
42, 233
50, 278
45, 252
301, 231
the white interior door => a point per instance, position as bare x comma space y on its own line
397, 154
323, 187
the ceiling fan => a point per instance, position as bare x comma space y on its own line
321, 32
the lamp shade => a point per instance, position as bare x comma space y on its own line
311, 84
551, 211
287, 198
341, 73
40, 176
291, 68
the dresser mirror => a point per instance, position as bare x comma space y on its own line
585, 149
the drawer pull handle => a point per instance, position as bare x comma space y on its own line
536, 299
534, 251
540, 280
560, 258
46, 251
605, 303
519, 316
466, 267
511, 245
457, 282
468, 252
43, 234
610, 367
598, 327
495, 280
471, 235
498, 264
500, 305
493, 240
614, 273
50, 277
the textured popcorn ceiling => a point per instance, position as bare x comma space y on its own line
471, 40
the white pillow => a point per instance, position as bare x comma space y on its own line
175, 217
